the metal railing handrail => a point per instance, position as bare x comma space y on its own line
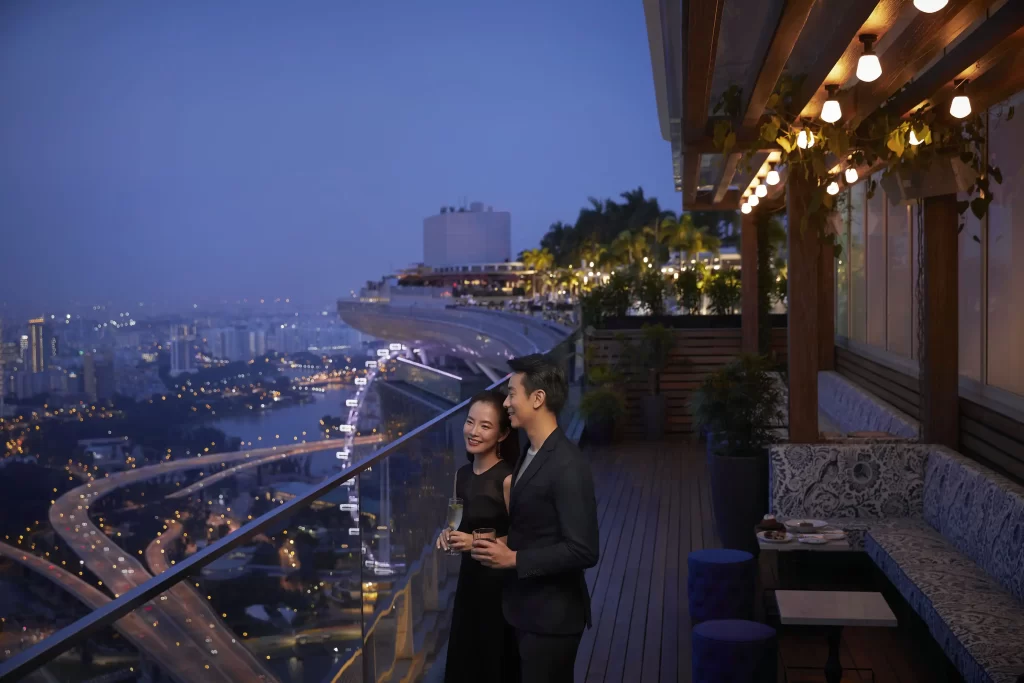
50, 648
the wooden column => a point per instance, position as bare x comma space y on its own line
939, 353
827, 308
748, 272
804, 258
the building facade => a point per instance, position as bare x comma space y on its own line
467, 236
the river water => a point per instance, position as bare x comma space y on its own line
286, 424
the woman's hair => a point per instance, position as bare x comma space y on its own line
508, 450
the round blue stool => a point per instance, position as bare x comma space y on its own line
720, 584
734, 651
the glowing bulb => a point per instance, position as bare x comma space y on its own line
833, 188
745, 208
960, 107
851, 175
868, 66
753, 201
913, 138
772, 177
761, 191
830, 112
805, 139
930, 6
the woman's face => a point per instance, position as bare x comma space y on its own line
482, 429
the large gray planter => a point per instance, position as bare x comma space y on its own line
739, 497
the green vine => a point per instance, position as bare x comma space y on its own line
880, 140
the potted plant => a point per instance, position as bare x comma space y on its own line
649, 358
738, 408
602, 404
650, 290
722, 288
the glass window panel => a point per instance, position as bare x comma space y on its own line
1005, 254
858, 284
899, 280
842, 216
969, 293
875, 268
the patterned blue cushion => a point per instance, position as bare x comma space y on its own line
853, 409
847, 480
978, 624
979, 512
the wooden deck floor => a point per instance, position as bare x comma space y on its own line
654, 507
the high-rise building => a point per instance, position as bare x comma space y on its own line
467, 236
181, 356
257, 343
23, 350
98, 368
38, 341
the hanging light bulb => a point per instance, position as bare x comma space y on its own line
960, 107
805, 139
851, 175
833, 188
773, 176
868, 66
745, 208
830, 111
930, 6
761, 191
913, 138
753, 200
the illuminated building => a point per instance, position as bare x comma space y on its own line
37, 345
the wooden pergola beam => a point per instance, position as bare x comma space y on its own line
993, 31
1000, 82
835, 29
702, 20
917, 45
791, 23
1001, 60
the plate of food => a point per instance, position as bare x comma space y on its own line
775, 536
834, 535
805, 526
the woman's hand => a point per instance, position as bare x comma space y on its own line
460, 542
455, 540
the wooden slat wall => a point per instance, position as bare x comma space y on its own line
696, 353
989, 437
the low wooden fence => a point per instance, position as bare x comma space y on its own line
695, 353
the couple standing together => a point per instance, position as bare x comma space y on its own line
522, 602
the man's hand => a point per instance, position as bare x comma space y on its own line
493, 555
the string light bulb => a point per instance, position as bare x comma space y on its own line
930, 6
913, 138
868, 66
753, 200
830, 111
745, 208
761, 191
960, 107
833, 188
851, 175
805, 139
773, 176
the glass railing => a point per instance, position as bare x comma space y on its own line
331, 581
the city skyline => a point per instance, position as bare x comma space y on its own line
191, 153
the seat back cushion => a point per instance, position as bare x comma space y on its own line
978, 511
854, 409
847, 480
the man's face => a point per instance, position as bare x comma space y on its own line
518, 402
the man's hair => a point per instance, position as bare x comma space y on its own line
540, 374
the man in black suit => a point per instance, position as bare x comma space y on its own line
552, 534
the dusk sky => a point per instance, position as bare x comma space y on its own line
164, 151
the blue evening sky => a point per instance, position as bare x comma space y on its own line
172, 150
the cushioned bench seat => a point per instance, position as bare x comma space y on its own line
978, 624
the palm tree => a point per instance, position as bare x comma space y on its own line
629, 248
540, 261
683, 236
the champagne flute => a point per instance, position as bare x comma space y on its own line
454, 520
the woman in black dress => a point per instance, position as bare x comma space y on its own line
481, 646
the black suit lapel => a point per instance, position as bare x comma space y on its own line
547, 452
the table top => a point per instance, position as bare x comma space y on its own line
834, 608
842, 545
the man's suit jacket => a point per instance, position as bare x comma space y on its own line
553, 529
